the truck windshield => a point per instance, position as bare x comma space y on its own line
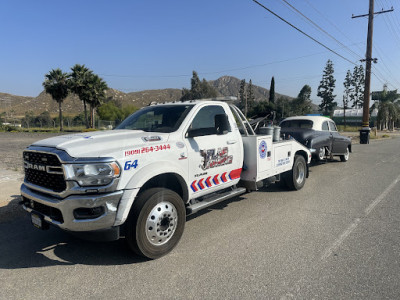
297, 124
160, 118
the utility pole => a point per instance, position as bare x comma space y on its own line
364, 132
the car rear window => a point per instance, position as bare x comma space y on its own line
332, 126
297, 124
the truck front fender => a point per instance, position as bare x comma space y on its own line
152, 170
143, 176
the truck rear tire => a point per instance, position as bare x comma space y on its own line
296, 178
156, 222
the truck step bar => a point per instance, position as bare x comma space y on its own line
194, 208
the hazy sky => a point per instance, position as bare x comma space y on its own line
137, 45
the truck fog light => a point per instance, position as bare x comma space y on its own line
83, 213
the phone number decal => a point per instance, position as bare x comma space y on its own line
144, 150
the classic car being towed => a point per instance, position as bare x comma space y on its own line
319, 134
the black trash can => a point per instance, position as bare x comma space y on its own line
364, 135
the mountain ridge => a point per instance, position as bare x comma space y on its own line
17, 106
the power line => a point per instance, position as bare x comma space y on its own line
215, 72
321, 29
386, 67
376, 68
299, 30
392, 27
334, 25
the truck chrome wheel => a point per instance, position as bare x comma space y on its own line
156, 222
299, 173
161, 223
296, 177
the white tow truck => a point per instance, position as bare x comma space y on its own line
162, 163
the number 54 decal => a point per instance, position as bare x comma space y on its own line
131, 164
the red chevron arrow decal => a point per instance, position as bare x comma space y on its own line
223, 177
215, 179
208, 182
200, 184
193, 186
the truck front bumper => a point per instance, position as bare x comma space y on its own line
78, 213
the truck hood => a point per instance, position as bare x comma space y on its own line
101, 143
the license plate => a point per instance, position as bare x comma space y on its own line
37, 221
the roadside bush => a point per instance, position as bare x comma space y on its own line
9, 128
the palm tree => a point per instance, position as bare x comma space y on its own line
56, 84
95, 94
79, 79
388, 109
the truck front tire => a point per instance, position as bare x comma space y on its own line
156, 222
296, 178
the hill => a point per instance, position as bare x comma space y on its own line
17, 106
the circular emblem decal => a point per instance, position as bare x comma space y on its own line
180, 145
262, 149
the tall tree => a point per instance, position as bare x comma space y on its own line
283, 107
302, 104
95, 94
195, 84
325, 89
272, 91
358, 83
198, 89
250, 97
56, 84
388, 109
242, 94
79, 79
348, 90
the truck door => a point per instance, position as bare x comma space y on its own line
215, 151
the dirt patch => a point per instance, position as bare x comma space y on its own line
12, 144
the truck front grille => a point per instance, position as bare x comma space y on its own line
44, 169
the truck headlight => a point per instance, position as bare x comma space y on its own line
92, 174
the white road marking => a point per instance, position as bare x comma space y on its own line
336, 244
381, 197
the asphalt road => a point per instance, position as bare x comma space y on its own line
337, 238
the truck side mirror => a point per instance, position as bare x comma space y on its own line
222, 124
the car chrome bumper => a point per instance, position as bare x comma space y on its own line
67, 221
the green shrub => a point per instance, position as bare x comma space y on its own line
9, 128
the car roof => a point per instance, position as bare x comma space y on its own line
317, 120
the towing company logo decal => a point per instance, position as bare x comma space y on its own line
210, 181
213, 158
262, 149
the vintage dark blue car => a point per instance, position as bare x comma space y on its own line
319, 134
